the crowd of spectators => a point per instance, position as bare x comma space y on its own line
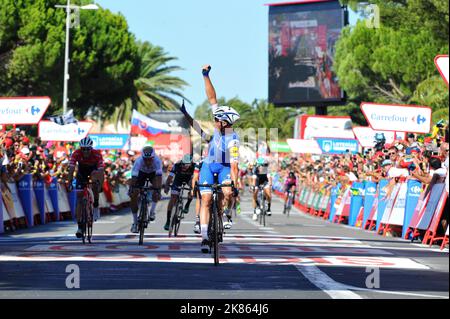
424, 158
21, 154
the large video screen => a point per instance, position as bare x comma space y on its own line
302, 40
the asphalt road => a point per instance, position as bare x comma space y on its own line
300, 257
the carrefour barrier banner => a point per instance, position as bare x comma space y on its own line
397, 214
109, 141
382, 202
2, 230
370, 191
356, 202
432, 204
338, 146
39, 191
53, 193
25, 188
333, 197
73, 200
412, 199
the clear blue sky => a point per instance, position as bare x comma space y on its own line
231, 35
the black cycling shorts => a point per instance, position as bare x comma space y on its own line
84, 172
142, 177
261, 179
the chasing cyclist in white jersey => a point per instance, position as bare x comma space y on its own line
147, 166
222, 159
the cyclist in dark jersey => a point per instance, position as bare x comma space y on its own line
261, 176
90, 165
180, 174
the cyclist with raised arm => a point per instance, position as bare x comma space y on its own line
222, 159
90, 166
261, 176
147, 166
290, 185
195, 179
181, 173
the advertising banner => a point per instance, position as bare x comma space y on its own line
356, 202
50, 131
24, 189
338, 146
366, 136
39, 191
382, 202
2, 230
53, 193
394, 117
23, 110
370, 191
109, 141
304, 146
412, 200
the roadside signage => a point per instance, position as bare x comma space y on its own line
441, 62
109, 141
304, 146
366, 136
23, 110
393, 117
50, 131
338, 146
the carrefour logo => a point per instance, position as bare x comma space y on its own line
420, 119
34, 110
415, 190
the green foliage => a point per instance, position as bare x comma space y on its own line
155, 88
259, 114
395, 62
32, 41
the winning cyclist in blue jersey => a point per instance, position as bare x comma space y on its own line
223, 158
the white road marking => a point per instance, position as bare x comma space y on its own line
322, 281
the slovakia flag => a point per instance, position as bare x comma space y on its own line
143, 125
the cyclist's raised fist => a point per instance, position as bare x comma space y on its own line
206, 69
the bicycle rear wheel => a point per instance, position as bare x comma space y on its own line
215, 224
142, 220
179, 216
84, 220
263, 211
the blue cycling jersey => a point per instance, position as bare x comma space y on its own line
223, 149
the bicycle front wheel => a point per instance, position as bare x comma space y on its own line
142, 220
179, 216
215, 220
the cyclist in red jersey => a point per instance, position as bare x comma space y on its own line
90, 165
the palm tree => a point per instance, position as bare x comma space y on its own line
155, 89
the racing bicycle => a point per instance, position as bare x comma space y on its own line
178, 212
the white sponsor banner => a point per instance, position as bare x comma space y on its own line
366, 136
23, 110
50, 131
304, 146
135, 143
441, 62
391, 117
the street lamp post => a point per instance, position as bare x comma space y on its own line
69, 8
